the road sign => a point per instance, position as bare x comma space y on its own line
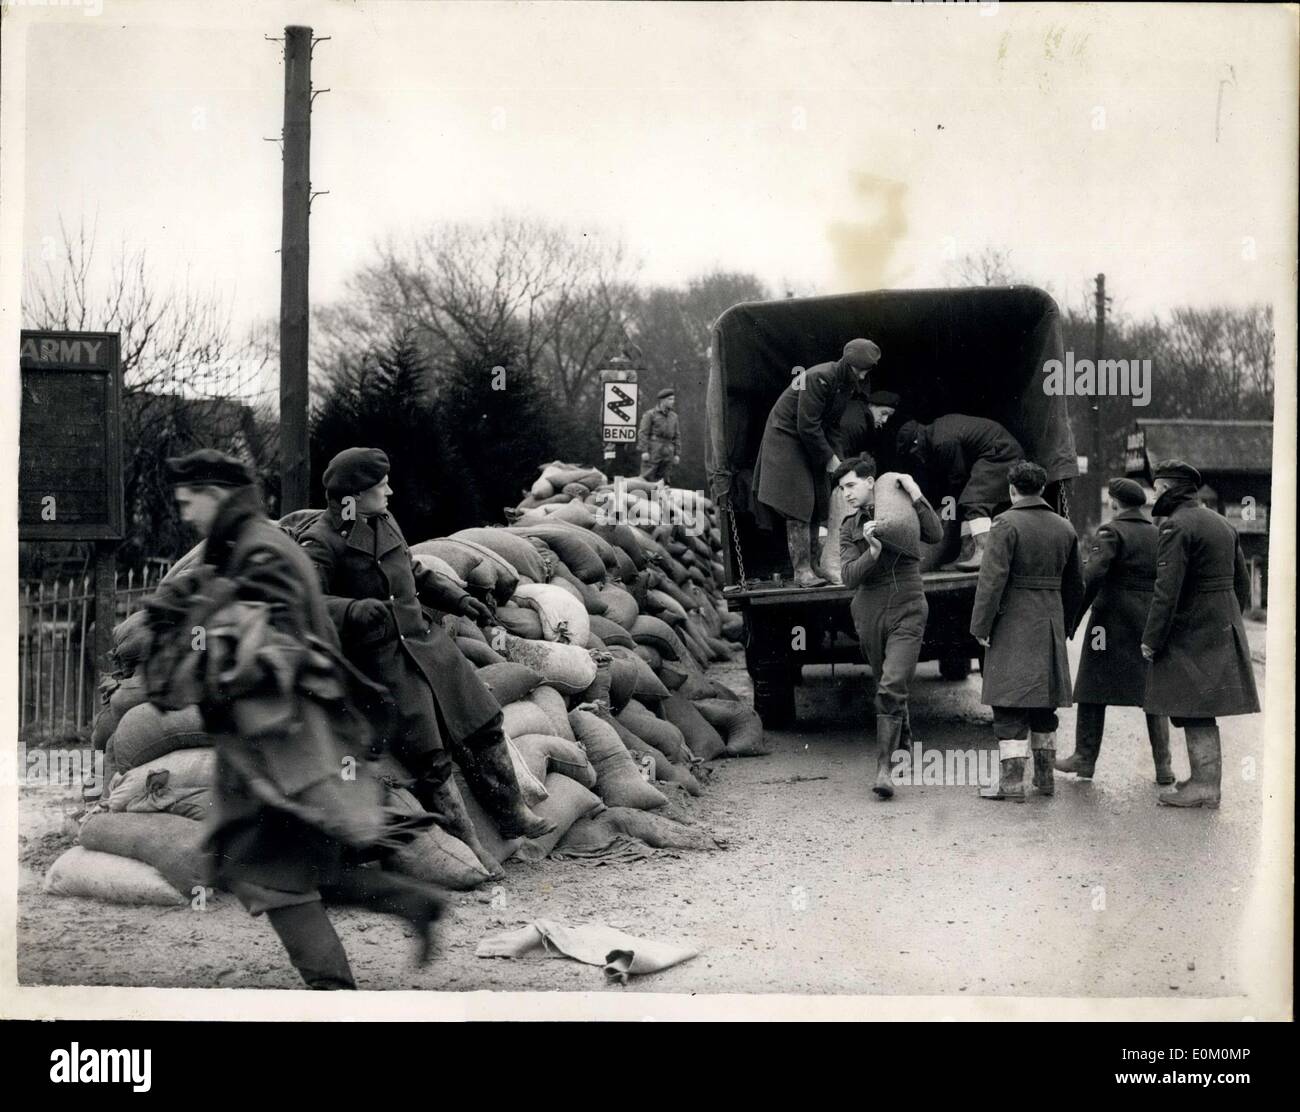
618, 411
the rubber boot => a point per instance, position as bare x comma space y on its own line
979, 541
490, 774
420, 904
1158, 732
1205, 756
888, 729
1088, 726
828, 563
1011, 772
1043, 747
905, 735
798, 539
312, 944
448, 801
965, 553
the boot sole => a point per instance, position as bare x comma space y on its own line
1205, 803
1004, 798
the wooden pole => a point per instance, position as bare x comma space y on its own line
1096, 465
295, 460
105, 606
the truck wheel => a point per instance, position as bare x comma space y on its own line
954, 667
774, 700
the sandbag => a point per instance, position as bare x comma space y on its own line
620, 607
567, 668
650, 656
146, 732
557, 711
575, 513
479, 653
574, 547
180, 783
507, 578
896, 522
109, 877
433, 855
604, 549
132, 640
702, 739
461, 559
172, 844
531, 789
515, 550
627, 569
664, 607
622, 684
664, 769
128, 693
509, 682
653, 730
740, 726
618, 780
457, 625
525, 717
519, 621
656, 633
499, 848
596, 832
611, 632
587, 592
648, 687
620, 535
564, 618
541, 488
544, 753
568, 802
435, 563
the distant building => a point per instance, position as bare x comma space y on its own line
1235, 459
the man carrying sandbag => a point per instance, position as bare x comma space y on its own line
436, 698
966, 457
889, 608
1118, 579
660, 438
1194, 636
245, 635
1028, 594
796, 454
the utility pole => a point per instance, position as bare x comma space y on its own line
1096, 463
295, 459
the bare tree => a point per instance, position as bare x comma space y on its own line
991, 266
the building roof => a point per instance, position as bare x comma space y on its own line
1211, 446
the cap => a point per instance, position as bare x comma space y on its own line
861, 353
354, 470
884, 397
207, 467
1177, 469
1127, 492
666, 392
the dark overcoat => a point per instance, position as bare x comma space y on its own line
963, 456
1029, 581
790, 476
368, 558
1118, 578
1202, 658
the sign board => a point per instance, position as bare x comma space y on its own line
618, 412
1135, 453
70, 437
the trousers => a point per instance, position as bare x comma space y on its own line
890, 623
1013, 723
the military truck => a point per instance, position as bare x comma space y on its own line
975, 351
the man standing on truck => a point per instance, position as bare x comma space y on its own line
1028, 594
660, 438
1117, 583
889, 608
1194, 637
966, 456
796, 455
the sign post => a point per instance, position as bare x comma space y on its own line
619, 411
70, 454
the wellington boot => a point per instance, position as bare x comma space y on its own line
888, 729
1011, 781
972, 562
798, 539
490, 774
1089, 723
964, 554
447, 799
1205, 756
1158, 732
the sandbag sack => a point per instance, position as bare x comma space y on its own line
127, 693
650, 656
596, 832
435, 563
896, 522
648, 687
132, 640
544, 753
525, 717
519, 621
664, 769
171, 844
146, 732
564, 618
567, 668
515, 550
653, 730
618, 780
106, 876
498, 848
611, 632
479, 653
568, 801
531, 788
509, 682
621, 536
627, 569
507, 577
571, 547
588, 593
560, 474
180, 783
433, 855
740, 726
557, 711
460, 558
575, 513
620, 607
656, 633
702, 739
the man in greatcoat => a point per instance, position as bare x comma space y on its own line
1029, 587
1118, 578
968, 458
296, 812
436, 698
660, 438
797, 455
1194, 636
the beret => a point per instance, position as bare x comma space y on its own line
1177, 469
884, 397
207, 467
861, 353
1127, 492
354, 470
666, 392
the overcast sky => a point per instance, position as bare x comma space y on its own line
831, 148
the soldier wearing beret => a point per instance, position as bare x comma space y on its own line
1194, 636
1118, 579
436, 698
798, 451
287, 828
660, 438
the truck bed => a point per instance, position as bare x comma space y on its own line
766, 594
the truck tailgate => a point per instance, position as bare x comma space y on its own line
936, 582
